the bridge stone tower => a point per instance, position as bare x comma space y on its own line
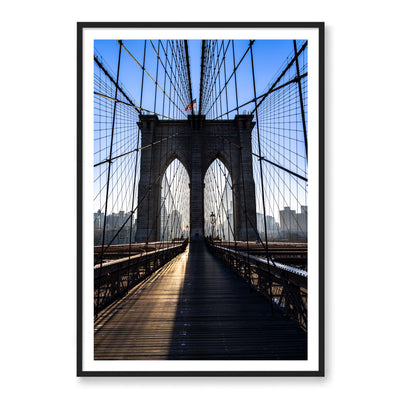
196, 143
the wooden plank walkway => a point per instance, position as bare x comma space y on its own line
195, 308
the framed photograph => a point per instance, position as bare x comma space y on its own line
200, 199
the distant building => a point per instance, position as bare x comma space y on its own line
293, 226
98, 218
272, 226
117, 228
288, 221
302, 219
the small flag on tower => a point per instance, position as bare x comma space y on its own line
191, 105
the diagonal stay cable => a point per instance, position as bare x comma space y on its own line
129, 101
266, 94
138, 149
219, 64
273, 163
130, 216
168, 63
232, 74
145, 71
137, 108
291, 62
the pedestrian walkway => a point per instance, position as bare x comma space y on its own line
195, 308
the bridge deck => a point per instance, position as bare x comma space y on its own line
195, 308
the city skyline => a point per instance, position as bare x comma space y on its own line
291, 225
270, 56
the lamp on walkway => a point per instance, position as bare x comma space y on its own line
213, 220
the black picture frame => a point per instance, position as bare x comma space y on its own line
319, 27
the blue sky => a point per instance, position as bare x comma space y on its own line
281, 140
269, 55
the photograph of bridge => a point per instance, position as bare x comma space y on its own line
201, 209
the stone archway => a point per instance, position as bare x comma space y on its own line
196, 143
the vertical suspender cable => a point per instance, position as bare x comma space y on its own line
188, 72
156, 82
234, 69
261, 172
259, 148
226, 89
141, 88
203, 48
109, 170
301, 97
241, 159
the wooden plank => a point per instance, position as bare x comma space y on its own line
195, 308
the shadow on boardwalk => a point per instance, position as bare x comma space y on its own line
219, 317
194, 308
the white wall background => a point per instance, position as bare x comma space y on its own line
38, 214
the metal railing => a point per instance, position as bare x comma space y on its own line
114, 278
285, 286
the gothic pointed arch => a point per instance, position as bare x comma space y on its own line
196, 143
218, 202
